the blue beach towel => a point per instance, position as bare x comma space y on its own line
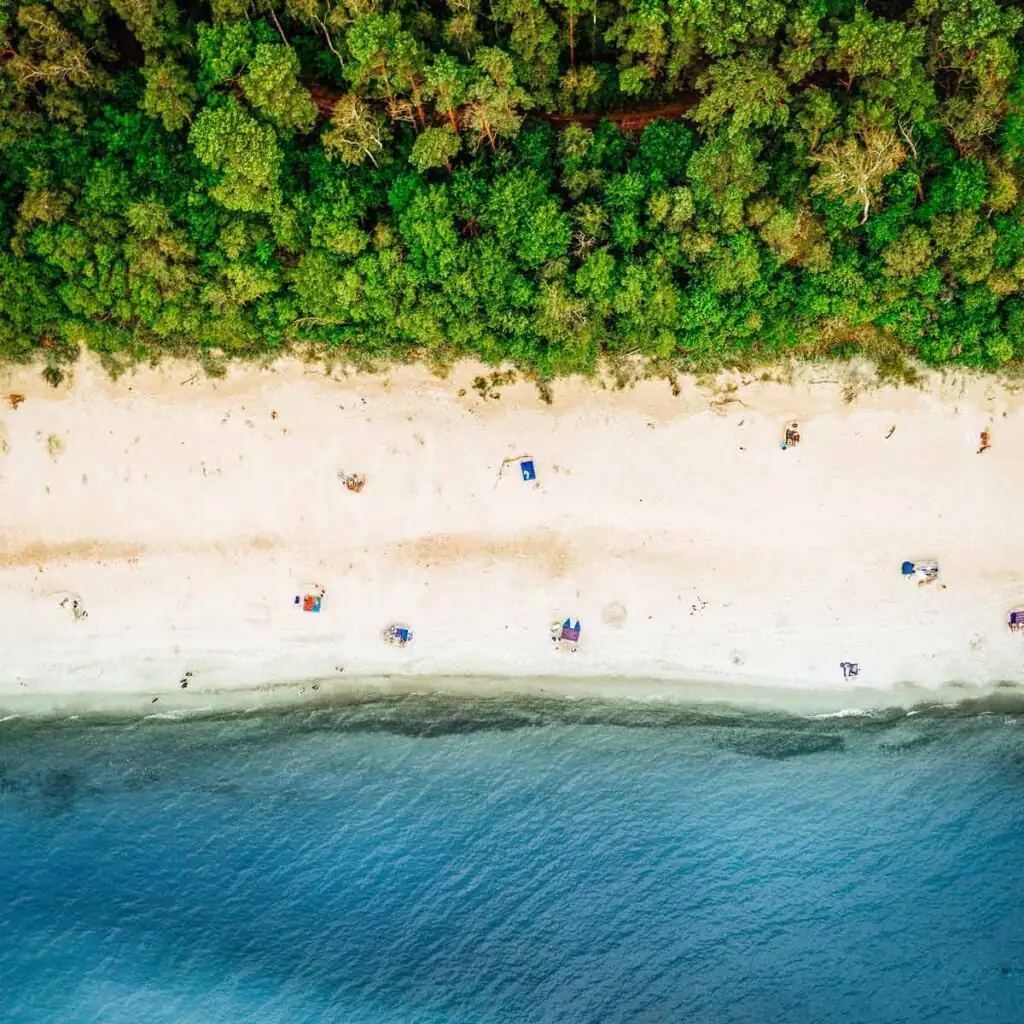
529, 473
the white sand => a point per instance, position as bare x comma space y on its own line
186, 516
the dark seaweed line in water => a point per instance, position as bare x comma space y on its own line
52, 765
435, 715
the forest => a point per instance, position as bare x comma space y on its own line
693, 184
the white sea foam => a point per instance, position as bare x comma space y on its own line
848, 713
180, 713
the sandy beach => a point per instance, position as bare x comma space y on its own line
701, 559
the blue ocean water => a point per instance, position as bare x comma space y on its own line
436, 860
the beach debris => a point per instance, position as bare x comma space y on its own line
397, 635
72, 604
986, 441
850, 668
14, 400
924, 571
565, 635
527, 468
1015, 620
354, 482
311, 597
791, 438
892, 430
725, 395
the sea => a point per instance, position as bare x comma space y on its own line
432, 859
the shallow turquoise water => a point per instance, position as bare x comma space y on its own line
432, 860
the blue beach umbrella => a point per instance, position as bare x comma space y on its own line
908, 568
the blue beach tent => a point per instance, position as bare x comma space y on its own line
908, 568
529, 473
569, 631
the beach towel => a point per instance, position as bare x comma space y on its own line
529, 472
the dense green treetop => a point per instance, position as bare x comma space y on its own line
394, 180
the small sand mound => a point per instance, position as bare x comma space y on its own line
614, 614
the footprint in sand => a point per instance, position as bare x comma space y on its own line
614, 614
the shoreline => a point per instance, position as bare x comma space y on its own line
314, 696
186, 514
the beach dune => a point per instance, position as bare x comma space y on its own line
186, 514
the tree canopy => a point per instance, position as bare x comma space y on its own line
388, 179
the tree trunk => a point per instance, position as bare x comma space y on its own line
418, 102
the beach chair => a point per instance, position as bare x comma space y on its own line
398, 636
311, 597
